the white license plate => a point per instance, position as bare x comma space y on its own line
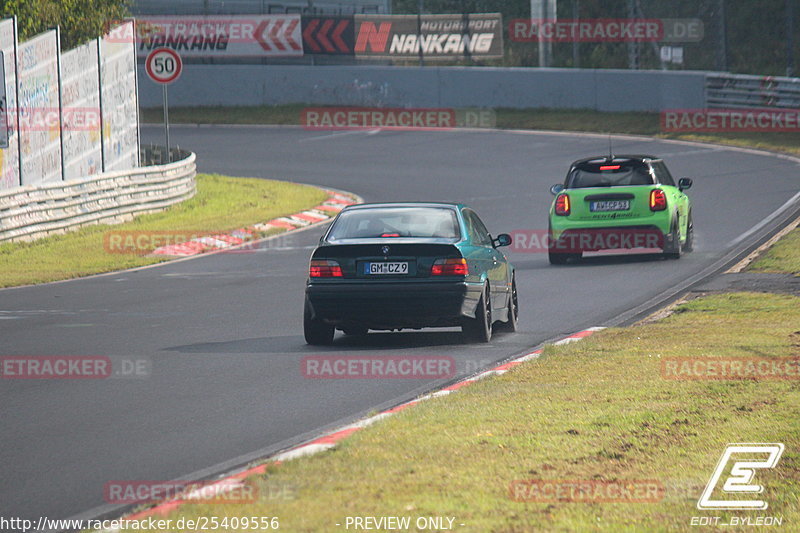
610, 205
395, 267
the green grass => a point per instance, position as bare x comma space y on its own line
221, 203
783, 257
540, 119
594, 410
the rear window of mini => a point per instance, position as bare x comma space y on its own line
609, 174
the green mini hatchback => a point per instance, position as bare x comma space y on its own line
626, 202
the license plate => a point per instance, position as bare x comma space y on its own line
396, 267
609, 205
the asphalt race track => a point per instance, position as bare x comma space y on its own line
223, 333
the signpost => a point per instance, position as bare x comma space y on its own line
164, 65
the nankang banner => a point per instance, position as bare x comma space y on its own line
221, 35
478, 36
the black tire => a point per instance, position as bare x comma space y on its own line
355, 331
479, 329
689, 245
316, 332
674, 249
513, 310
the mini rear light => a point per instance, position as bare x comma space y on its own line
390, 234
609, 167
450, 267
562, 205
658, 200
323, 268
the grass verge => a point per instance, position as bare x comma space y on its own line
537, 119
221, 204
598, 410
783, 257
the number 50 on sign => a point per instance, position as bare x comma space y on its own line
163, 65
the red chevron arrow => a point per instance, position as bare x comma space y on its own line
337, 36
259, 35
275, 34
288, 35
308, 35
323, 38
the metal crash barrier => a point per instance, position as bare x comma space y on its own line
31, 212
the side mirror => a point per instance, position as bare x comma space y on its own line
555, 189
504, 239
685, 183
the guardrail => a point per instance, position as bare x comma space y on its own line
31, 212
733, 91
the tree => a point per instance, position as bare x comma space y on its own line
80, 20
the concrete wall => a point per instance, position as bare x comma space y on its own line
603, 90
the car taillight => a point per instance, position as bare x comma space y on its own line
323, 268
450, 267
562, 205
658, 200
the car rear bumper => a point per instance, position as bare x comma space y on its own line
389, 305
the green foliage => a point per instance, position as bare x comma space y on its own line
80, 20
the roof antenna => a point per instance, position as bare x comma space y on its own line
610, 152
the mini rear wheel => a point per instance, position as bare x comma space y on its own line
674, 249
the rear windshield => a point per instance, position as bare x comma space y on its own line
392, 222
606, 174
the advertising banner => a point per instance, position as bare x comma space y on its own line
119, 107
222, 35
478, 36
9, 155
40, 135
80, 100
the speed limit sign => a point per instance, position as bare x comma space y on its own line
163, 65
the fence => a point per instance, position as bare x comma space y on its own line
30, 212
70, 115
733, 91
